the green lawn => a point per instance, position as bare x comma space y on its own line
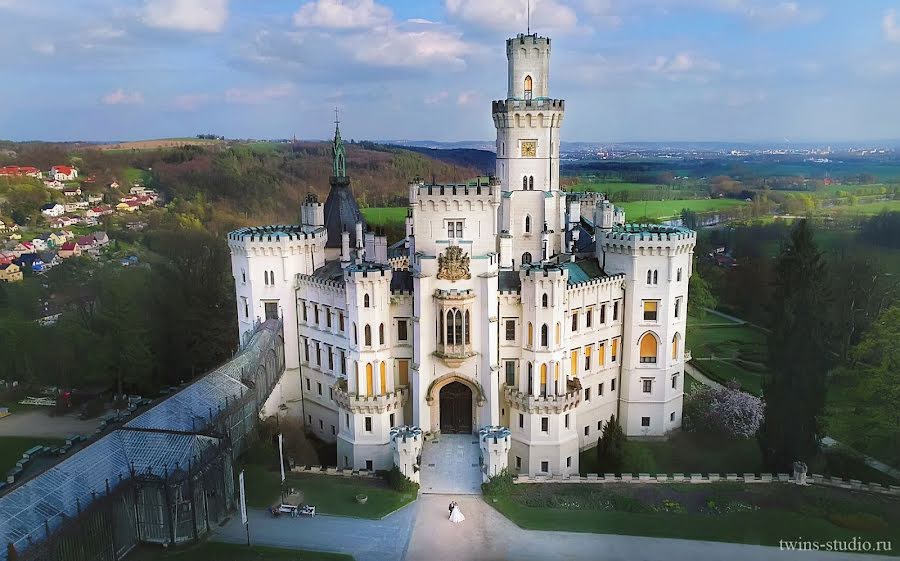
614, 186
672, 209
864, 209
381, 216
330, 494
756, 514
134, 175
742, 347
208, 551
12, 447
684, 452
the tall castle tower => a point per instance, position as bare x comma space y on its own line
341, 211
528, 123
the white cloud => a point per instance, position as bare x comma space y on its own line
604, 11
512, 15
466, 97
121, 97
683, 64
401, 47
342, 14
436, 98
190, 102
44, 47
779, 15
257, 96
890, 26
206, 16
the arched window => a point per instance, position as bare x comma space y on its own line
530, 334
528, 85
527, 224
648, 349
543, 378
368, 335
531, 183
266, 277
649, 276
655, 277
545, 336
525, 183
271, 277
678, 277
675, 347
370, 379
526, 258
457, 328
502, 148
381, 334
544, 300
530, 378
467, 327
441, 329
355, 336
243, 275
366, 301
383, 376
558, 333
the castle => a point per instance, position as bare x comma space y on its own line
512, 309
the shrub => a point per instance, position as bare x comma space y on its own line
861, 521
725, 410
611, 447
400, 483
499, 485
638, 459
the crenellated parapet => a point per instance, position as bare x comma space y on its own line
406, 444
546, 403
478, 195
278, 240
495, 443
648, 239
369, 404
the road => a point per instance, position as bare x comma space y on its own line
39, 423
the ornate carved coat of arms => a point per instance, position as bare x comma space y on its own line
453, 264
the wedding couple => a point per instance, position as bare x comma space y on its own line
456, 515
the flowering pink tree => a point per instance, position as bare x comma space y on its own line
725, 410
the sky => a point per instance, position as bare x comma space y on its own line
629, 70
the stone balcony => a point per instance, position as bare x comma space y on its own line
546, 404
454, 355
370, 404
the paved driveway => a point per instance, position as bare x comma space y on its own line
39, 423
451, 465
486, 535
366, 540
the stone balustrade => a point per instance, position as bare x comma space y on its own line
700, 478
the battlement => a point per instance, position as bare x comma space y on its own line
649, 233
320, 282
522, 40
538, 103
368, 403
406, 433
454, 294
493, 434
479, 187
367, 269
549, 403
549, 271
276, 233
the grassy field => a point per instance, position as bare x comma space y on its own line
741, 350
760, 514
864, 209
672, 209
208, 551
134, 175
614, 186
11, 448
380, 216
330, 494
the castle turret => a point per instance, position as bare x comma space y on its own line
341, 212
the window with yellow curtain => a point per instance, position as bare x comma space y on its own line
558, 333
601, 354
403, 369
675, 347
543, 375
615, 349
556, 374
650, 309
530, 334
648, 349
370, 379
587, 358
383, 378
574, 362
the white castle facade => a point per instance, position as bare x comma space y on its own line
511, 309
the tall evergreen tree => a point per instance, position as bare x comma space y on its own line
799, 353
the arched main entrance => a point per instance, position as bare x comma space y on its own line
456, 408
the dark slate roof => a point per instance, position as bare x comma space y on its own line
341, 212
401, 281
584, 270
585, 243
330, 271
509, 281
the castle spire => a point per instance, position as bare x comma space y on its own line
339, 157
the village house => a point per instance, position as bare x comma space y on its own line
72, 191
10, 273
101, 239
38, 244
66, 234
69, 249
114, 185
31, 261
23, 247
19, 171
2, 226
54, 184
50, 259
53, 210
7, 257
94, 199
137, 190
63, 173
75, 206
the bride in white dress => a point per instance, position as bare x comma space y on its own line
456, 515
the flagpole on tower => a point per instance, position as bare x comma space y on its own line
529, 16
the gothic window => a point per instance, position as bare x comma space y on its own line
366, 301
525, 183
272, 277
370, 384
678, 277
545, 337
615, 311
544, 300
530, 378
527, 227
502, 148
544, 379
355, 337
649, 276
381, 334
675, 348
457, 328
266, 277
467, 327
528, 84
368, 335
530, 334
655, 277
648, 349
531, 183
603, 313
441, 329
526, 258
243, 275
558, 333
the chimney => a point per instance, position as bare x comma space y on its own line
345, 248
